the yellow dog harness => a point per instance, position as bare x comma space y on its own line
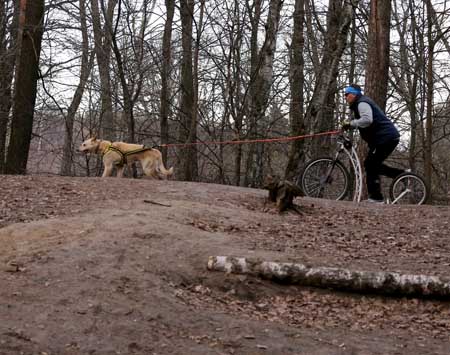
123, 155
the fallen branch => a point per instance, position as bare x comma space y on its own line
157, 203
390, 283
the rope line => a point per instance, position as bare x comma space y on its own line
282, 139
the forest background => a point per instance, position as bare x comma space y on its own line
173, 73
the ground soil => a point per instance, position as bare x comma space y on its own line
118, 266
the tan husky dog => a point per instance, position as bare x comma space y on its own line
120, 154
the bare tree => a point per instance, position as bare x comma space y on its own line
406, 81
102, 40
188, 163
234, 87
377, 64
428, 139
166, 63
85, 70
130, 80
260, 85
312, 35
318, 111
297, 79
227, 87
27, 73
9, 17
418, 81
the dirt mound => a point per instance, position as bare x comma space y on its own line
118, 266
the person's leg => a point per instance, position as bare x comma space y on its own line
390, 172
372, 165
386, 150
374, 168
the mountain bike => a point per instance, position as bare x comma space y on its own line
330, 178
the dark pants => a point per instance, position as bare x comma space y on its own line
374, 168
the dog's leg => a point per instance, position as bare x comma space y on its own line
156, 175
149, 170
120, 170
161, 175
108, 171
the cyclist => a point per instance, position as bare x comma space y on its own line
380, 134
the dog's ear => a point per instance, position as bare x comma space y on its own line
94, 137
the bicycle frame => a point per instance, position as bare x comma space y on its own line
346, 145
328, 177
399, 197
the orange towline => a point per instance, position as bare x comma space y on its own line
267, 140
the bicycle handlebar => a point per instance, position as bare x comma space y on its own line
345, 139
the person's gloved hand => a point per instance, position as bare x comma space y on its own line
346, 125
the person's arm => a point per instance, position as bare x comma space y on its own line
365, 114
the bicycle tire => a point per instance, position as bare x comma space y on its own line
417, 193
314, 183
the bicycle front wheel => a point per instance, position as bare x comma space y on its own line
408, 189
325, 178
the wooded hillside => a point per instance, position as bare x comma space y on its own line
169, 73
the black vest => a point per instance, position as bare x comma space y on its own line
382, 130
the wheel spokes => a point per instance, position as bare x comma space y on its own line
409, 190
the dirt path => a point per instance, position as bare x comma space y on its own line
101, 271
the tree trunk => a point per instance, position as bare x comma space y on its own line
262, 78
236, 97
255, 18
7, 62
428, 148
195, 110
188, 167
311, 35
353, 50
390, 283
127, 99
413, 91
340, 15
406, 76
377, 65
102, 41
165, 77
296, 80
27, 74
85, 70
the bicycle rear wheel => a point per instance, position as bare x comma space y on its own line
408, 189
325, 178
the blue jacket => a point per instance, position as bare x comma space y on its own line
382, 130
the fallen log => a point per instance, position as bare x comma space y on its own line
390, 283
